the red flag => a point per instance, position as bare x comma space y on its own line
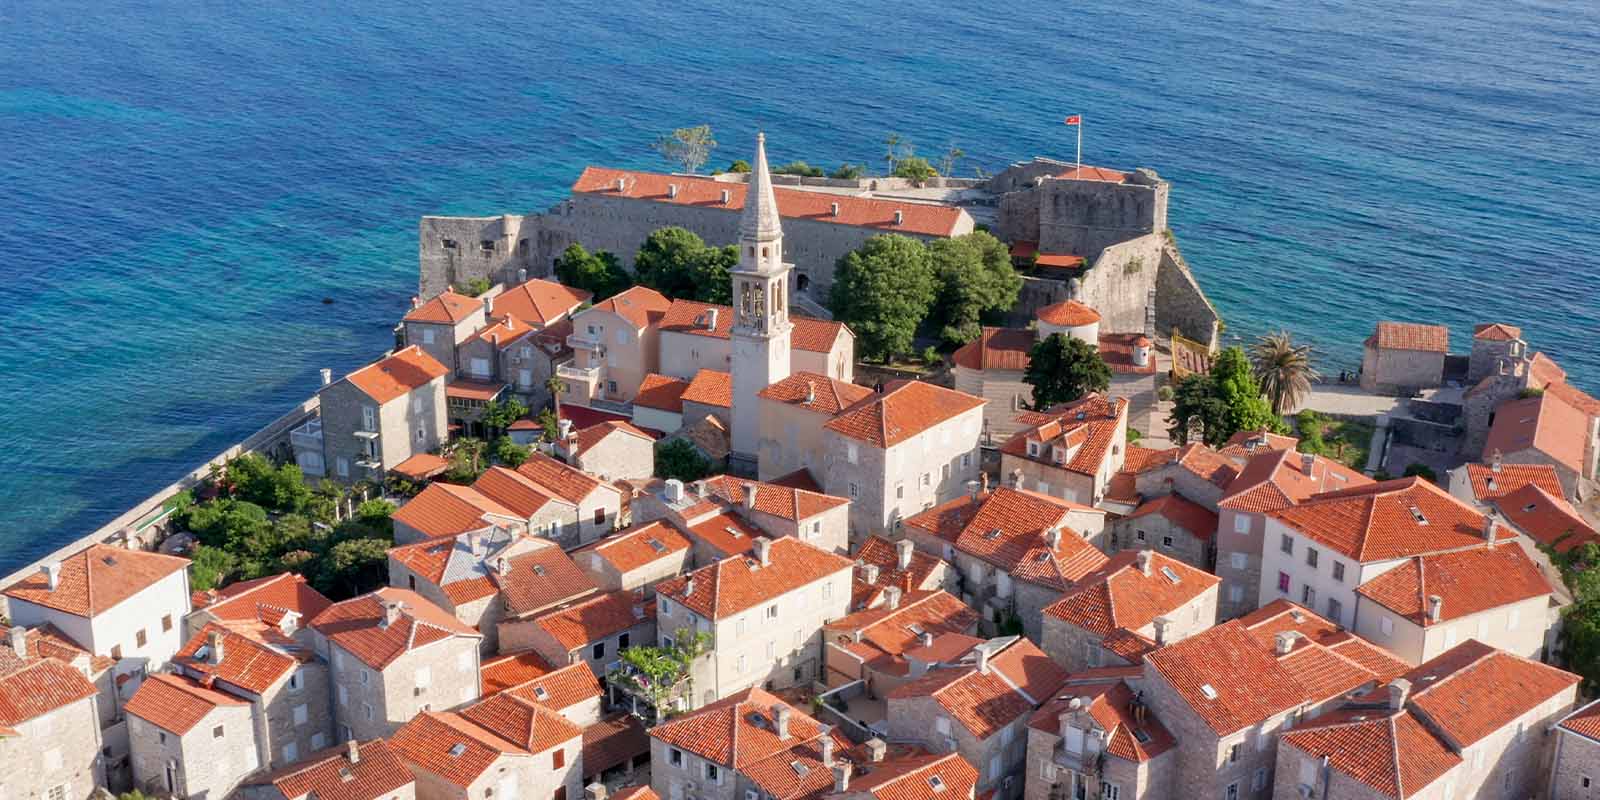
1075, 120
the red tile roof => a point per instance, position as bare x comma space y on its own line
727, 533
459, 749
1392, 519
1111, 707
398, 375
1410, 336
1493, 482
1391, 752
916, 218
468, 389
515, 492
696, 319
797, 771
1117, 350
445, 509
1123, 486
1278, 616
739, 730
536, 580
828, 396
1068, 314
882, 636
1468, 582
639, 305
1019, 679
635, 793
996, 349
558, 479
1585, 721
662, 392
814, 335
1275, 479
638, 545
539, 302
1495, 331
450, 563
739, 582
901, 412
421, 466
1190, 516
1252, 442
908, 773
1119, 596
590, 437
1573, 396
881, 553
96, 579
329, 774
1546, 518
511, 670
1010, 529
36, 686
1088, 173
247, 663
1084, 429
561, 688
446, 308
47, 641
501, 333
1545, 423
611, 742
1473, 690
779, 501
596, 618
710, 387
176, 704
357, 626
529, 725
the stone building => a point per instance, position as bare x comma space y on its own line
696, 336
446, 509
391, 653
1494, 344
881, 565
375, 418
1403, 358
190, 740
658, 406
1097, 740
1070, 451
442, 324
279, 605
598, 503
1472, 722
710, 394
794, 412
895, 642
1546, 429
749, 744
610, 450
635, 558
909, 773
591, 631
764, 614
1575, 755
1482, 484
1131, 605
503, 746
1172, 524
1514, 378
50, 735
370, 770
979, 707
1015, 551
615, 342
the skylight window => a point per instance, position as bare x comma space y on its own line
1169, 574
344, 774
936, 782
656, 545
538, 569
457, 750
732, 531
539, 692
1528, 507
799, 768
1209, 691
1142, 736
1416, 514
915, 628
992, 534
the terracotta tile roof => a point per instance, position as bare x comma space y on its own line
696, 319
398, 375
908, 773
799, 479
511, 670
357, 626
1111, 707
421, 466
916, 218
1468, 581
47, 641
447, 308
1190, 516
1410, 336
36, 686
450, 563
1205, 463
1119, 596
779, 501
996, 349
662, 392
883, 635
247, 663
708, 434
516, 492
612, 741
1010, 529
828, 396
590, 437
1084, 430
1491, 482
501, 333
266, 600
529, 725
96, 579
1473, 690
1087, 173
635, 793
329, 774
639, 305
727, 533
1117, 350
1585, 721
538, 579
638, 545
739, 582
1020, 678
1123, 486
1573, 396
880, 552
1542, 371
710, 387
538, 302
1267, 622
176, 704
1128, 645
737, 730
1276, 479
1388, 520
1497, 332
596, 618
561, 688
901, 412
558, 479
1546, 518
797, 771
1252, 442
1068, 314
468, 389
454, 748
445, 509
814, 335
1391, 752
1545, 423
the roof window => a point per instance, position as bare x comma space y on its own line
457, 750
1416, 514
656, 545
1209, 691
936, 782
799, 768
1170, 575
992, 534
539, 692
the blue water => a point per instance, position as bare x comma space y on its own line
180, 187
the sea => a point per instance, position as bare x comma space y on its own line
202, 204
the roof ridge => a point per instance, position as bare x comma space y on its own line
1394, 753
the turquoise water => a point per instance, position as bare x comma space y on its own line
183, 186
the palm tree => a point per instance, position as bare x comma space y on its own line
1283, 370
556, 386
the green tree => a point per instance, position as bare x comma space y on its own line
1220, 403
353, 567
551, 425
848, 172
800, 168
474, 287
915, 168
280, 488
690, 147
1062, 369
975, 278
947, 162
498, 415
711, 269
1283, 369
1580, 633
739, 165
208, 567
659, 674
466, 460
229, 524
892, 144
510, 453
598, 272
678, 263
1422, 470
678, 458
882, 291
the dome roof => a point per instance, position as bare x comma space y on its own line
1069, 314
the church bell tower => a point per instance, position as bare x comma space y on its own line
760, 334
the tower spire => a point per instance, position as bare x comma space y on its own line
759, 222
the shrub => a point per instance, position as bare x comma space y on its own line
1420, 469
678, 458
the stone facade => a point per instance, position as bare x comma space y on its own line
1239, 537
885, 485
371, 703
59, 749
999, 757
1165, 535
1575, 766
610, 358
512, 775
620, 455
454, 251
362, 438
1518, 628
598, 653
1053, 774
1400, 372
209, 760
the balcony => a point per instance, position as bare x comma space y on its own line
371, 436
572, 372
583, 341
307, 436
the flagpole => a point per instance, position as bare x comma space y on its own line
1080, 147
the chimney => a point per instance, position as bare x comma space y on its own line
926, 638
522, 276
596, 791
475, 541
672, 190
1399, 689
902, 554
391, 613
352, 751
726, 196
972, 489
1141, 352
750, 496
891, 597
764, 550
780, 719
1494, 460
290, 623
688, 586
1016, 479
674, 491
899, 216
622, 184
564, 429
214, 642
19, 640
876, 750
1308, 462
1161, 625
870, 573
811, 393
711, 319
52, 574
827, 745
1284, 642
415, 301
841, 770
502, 566
1142, 558
1435, 607
327, 376
983, 483
983, 658
1491, 523
833, 209
1052, 537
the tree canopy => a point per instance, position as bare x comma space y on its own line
678, 458
975, 278
1283, 369
679, 264
800, 168
1062, 369
689, 147
915, 168
599, 272
882, 291
1221, 403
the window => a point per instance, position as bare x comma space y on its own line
558, 758
850, 452
1311, 557
216, 733
1308, 596
449, 244
942, 725
1139, 535
622, 641
599, 650
166, 623
1232, 792
994, 767
1258, 781
342, 466
1241, 523
713, 774
926, 476
675, 757
1585, 780
300, 715
944, 473
1338, 571
1283, 582
1335, 611
600, 516
1233, 753
116, 652
899, 491
1110, 791
139, 639
664, 605
1287, 544
1236, 594
318, 741
772, 611
1386, 626
291, 752
1166, 541
854, 491
1239, 560
366, 710
966, 459
366, 677
369, 418
741, 663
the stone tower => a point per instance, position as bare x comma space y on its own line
761, 325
